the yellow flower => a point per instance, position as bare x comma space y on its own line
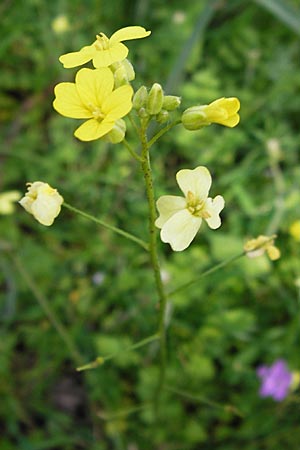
222, 111
7, 200
92, 97
104, 51
295, 230
60, 24
42, 201
260, 245
181, 217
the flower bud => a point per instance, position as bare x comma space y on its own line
171, 102
143, 114
117, 134
222, 111
194, 118
123, 72
162, 116
155, 99
140, 98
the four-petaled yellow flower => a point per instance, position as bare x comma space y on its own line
7, 201
104, 51
260, 245
92, 97
181, 217
222, 111
42, 201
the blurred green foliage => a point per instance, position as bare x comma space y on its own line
99, 284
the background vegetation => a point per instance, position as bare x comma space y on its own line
98, 284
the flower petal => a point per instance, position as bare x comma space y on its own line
180, 230
104, 58
231, 104
68, 103
93, 129
231, 121
214, 207
167, 206
75, 59
45, 209
197, 181
127, 33
94, 85
118, 103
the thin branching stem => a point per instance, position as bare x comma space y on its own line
45, 305
117, 230
162, 132
204, 274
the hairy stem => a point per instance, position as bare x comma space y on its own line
146, 168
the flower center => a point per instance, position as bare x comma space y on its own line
196, 206
96, 111
102, 42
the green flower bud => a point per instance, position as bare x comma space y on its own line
171, 102
194, 118
117, 134
123, 72
140, 98
143, 114
155, 99
162, 116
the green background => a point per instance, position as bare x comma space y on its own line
99, 284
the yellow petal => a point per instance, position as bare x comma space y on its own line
115, 53
68, 102
94, 86
127, 33
231, 104
273, 252
92, 129
118, 103
197, 181
167, 206
180, 230
75, 59
230, 121
213, 207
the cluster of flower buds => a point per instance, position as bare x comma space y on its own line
154, 104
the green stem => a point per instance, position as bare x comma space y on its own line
162, 132
205, 273
124, 412
44, 304
146, 168
134, 124
131, 151
101, 359
129, 236
204, 400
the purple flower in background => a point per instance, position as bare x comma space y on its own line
275, 379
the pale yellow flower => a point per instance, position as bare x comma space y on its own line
42, 201
92, 97
7, 201
295, 230
222, 111
181, 217
60, 24
258, 246
104, 51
